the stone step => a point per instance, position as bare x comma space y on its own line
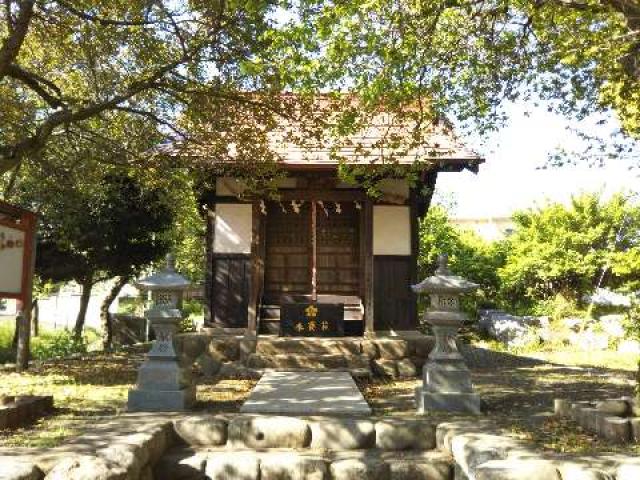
307, 362
241, 464
249, 431
309, 346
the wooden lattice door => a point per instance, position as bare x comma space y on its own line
288, 252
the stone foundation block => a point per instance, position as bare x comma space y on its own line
393, 349
225, 349
398, 434
290, 466
451, 402
208, 365
561, 407
406, 368
180, 464
202, 430
127, 458
232, 466
359, 469
191, 345
517, 470
615, 429
269, 432
342, 434
369, 349
634, 422
617, 408
385, 367
11, 469
588, 418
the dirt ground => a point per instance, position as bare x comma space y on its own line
517, 394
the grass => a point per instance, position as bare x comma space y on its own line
96, 386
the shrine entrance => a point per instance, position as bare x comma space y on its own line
312, 255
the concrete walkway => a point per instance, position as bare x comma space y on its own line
306, 393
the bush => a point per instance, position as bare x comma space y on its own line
58, 343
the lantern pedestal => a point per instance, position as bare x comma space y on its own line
163, 385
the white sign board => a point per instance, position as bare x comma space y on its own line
12, 245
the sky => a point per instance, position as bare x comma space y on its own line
511, 178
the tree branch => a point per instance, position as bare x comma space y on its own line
104, 21
35, 83
11, 45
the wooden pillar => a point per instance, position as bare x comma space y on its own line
314, 252
257, 269
414, 218
210, 219
368, 268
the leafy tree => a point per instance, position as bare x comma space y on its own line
469, 255
571, 250
464, 58
74, 68
97, 232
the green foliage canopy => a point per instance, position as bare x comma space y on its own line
570, 250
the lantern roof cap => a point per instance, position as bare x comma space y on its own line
443, 281
165, 279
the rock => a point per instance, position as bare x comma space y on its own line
232, 466
590, 340
615, 429
208, 365
125, 457
613, 407
400, 434
269, 432
588, 419
421, 470
226, 349
406, 368
629, 346
202, 430
191, 345
359, 469
577, 471
147, 473
85, 467
369, 349
247, 346
180, 464
628, 471
516, 469
291, 466
561, 407
385, 367
342, 434
613, 325
390, 349
238, 370
11, 469
421, 347
634, 422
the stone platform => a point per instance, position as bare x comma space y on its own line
306, 393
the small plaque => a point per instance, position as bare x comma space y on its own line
312, 320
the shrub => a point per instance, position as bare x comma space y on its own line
58, 343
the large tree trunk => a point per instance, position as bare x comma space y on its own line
82, 313
105, 316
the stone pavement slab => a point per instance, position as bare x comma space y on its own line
306, 393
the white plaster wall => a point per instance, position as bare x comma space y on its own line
233, 228
391, 230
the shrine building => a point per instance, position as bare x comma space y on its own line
325, 259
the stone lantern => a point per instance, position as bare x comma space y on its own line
446, 379
163, 385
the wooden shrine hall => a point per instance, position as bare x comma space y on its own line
325, 259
